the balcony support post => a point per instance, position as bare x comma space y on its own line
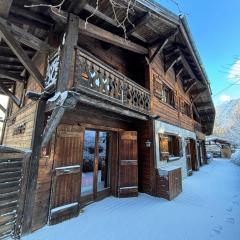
69, 42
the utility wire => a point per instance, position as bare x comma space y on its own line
226, 88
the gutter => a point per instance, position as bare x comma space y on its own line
160, 11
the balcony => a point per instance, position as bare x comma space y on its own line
99, 81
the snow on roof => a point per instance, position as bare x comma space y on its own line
219, 139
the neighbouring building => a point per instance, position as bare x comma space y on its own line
103, 111
219, 146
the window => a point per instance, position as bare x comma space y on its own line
168, 96
187, 109
170, 147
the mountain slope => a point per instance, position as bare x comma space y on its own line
227, 121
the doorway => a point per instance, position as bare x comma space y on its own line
96, 163
89, 165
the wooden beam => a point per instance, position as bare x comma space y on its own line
19, 19
187, 67
93, 31
103, 35
11, 76
195, 98
33, 168
171, 34
171, 62
192, 84
108, 19
26, 38
195, 111
22, 56
178, 71
33, 16
52, 124
5, 7
65, 67
76, 6
101, 15
10, 94
202, 104
159, 49
2, 108
197, 91
138, 24
60, 17
83, 98
162, 42
6, 51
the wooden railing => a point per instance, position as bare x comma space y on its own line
98, 79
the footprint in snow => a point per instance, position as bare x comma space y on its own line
229, 209
216, 230
236, 203
230, 220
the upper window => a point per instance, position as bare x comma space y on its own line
168, 96
187, 109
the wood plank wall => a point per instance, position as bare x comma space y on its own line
25, 114
146, 169
43, 190
127, 63
166, 112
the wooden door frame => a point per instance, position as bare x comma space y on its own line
112, 189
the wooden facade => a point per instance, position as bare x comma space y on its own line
102, 115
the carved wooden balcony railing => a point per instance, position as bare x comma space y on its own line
97, 79
52, 70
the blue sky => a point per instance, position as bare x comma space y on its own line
215, 26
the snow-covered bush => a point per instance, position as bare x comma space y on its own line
236, 157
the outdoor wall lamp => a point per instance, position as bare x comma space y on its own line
148, 143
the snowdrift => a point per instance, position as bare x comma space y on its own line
236, 157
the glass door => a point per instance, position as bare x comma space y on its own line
88, 163
96, 163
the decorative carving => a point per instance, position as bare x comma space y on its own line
19, 129
92, 75
52, 69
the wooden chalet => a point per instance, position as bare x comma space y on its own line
102, 111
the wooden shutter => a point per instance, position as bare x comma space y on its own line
164, 152
66, 181
128, 164
180, 147
188, 155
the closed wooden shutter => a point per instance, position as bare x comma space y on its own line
164, 152
188, 155
128, 164
180, 147
66, 181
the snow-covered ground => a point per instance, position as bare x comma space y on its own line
208, 208
236, 157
